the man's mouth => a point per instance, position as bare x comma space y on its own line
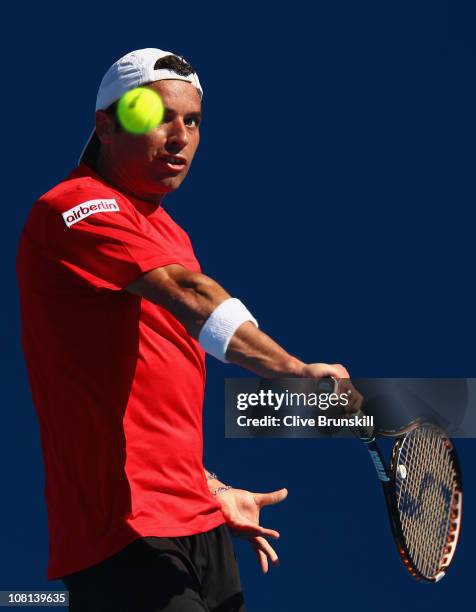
173, 162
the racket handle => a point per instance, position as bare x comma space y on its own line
364, 432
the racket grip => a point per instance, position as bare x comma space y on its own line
364, 432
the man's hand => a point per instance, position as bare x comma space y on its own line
241, 511
337, 371
323, 370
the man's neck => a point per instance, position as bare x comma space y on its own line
108, 172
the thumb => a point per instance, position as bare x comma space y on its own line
266, 499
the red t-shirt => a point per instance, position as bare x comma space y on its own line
117, 382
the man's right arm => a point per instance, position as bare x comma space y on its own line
192, 297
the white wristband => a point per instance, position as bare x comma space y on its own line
221, 325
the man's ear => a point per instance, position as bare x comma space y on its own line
105, 126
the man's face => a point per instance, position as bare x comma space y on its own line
156, 162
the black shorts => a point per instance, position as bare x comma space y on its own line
197, 573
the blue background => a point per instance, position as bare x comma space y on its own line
333, 193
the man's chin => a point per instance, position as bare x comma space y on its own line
168, 184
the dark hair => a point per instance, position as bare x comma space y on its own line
175, 63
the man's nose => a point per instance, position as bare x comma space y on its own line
177, 137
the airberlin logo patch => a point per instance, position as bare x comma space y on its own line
91, 207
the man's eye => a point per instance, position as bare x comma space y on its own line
192, 121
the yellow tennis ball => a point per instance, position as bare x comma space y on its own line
140, 110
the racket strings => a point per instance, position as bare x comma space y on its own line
425, 486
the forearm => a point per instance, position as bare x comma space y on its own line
192, 297
252, 349
249, 347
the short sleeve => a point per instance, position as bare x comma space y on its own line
103, 239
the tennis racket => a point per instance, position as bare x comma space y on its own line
423, 491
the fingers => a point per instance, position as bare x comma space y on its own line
267, 549
336, 371
264, 551
355, 399
244, 529
267, 499
342, 372
324, 370
269, 533
262, 560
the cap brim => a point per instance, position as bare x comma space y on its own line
90, 149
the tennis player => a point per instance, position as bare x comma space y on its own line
117, 317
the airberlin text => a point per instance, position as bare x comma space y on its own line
91, 207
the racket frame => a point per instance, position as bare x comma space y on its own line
387, 477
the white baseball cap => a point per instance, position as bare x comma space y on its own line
130, 71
